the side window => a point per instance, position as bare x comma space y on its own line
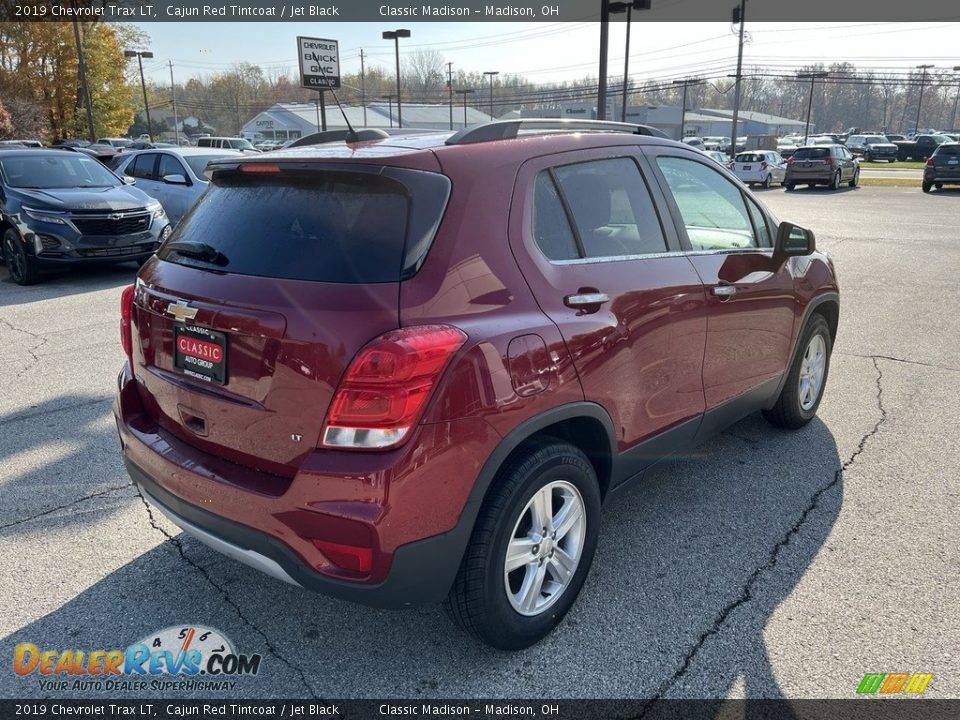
169, 165
613, 213
712, 208
550, 227
142, 166
759, 223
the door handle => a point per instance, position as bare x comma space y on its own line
724, 290
586, 300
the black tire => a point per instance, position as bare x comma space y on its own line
938, 186
855, 180
835, 180
867, 157
788, 412
20, 264
926, 187
767, 182
789, 186
478, 600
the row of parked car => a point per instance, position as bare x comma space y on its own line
874, 146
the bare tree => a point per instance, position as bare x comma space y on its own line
423, 75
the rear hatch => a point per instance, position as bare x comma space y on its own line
811, 160
946, 161
265, 292
750, 162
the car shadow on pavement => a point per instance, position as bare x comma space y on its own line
73, 281
44, 470
693, 562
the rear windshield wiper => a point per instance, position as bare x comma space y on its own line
199, 250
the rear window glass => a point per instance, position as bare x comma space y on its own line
750, 157
815, 152
327, 227
947, 150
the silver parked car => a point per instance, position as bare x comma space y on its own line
174, 176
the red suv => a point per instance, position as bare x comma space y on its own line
412, 369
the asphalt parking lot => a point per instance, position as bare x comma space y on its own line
767, 564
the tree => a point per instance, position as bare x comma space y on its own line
38, 66
423, 75
6, 123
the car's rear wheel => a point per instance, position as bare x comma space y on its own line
938, 186
767, 182
835, 181
867, 157
20, 264
530, 550
789, 186
926, 187
803, 389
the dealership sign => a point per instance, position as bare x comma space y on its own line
319, 63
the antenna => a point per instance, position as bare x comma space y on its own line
352, 136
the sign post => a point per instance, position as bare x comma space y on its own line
319, 69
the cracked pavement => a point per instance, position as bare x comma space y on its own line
765, 564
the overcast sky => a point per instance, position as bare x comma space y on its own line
562, 51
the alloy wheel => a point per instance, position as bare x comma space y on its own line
812, 369
13, 258
545, 548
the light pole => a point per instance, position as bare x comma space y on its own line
143, 84
450, 90
812, 77
465, 92
683, 110
390, 108
627, 7
492, 74
604, 42
739, 16
923, 80
395, 35
956, 100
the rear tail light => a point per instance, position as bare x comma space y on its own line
386, 388
255, 167
126, 323
763, 165
828, 160
930, 162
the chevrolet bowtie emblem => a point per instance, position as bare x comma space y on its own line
181, 311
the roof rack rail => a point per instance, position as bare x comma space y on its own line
509, 129
328, 136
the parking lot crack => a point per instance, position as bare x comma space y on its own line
175, 541
32, 349
746, 593
64, 506
948, 368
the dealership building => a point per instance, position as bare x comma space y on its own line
287, 121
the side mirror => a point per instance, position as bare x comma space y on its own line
792, 241
174, 179
127, 180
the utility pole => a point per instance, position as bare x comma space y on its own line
923, 80
84, 89
627, 7
604, 42
956, 100
363, 88
812, 76
465, 92
173, 97
683, 109
390, 108
739, 16
450, 90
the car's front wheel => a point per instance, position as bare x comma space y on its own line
531, 548
806, 379
855, 180
20, 264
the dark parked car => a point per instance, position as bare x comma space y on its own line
943, 167
872, 147
830, 165
453, 350
59, 209
920, 148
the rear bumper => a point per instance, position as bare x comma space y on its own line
417, 537
933, 175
